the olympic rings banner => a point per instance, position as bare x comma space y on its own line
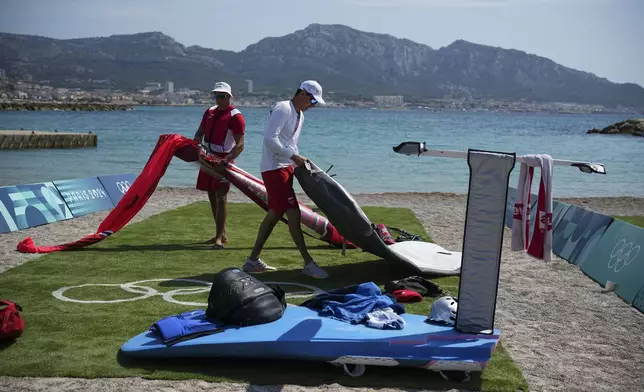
605, 249
618, 257
116, 185
31, 205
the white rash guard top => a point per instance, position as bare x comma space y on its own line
281, 136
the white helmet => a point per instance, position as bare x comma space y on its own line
444, 310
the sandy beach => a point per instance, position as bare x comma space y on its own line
564, 333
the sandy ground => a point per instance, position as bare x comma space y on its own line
565, 334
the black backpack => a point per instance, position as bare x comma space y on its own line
237, 298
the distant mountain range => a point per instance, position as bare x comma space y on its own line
345, 61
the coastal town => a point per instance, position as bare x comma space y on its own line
97, 94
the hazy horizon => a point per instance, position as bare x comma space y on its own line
596, 36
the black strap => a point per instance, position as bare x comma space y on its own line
193, 335
405, 235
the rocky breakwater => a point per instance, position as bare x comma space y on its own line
633, 127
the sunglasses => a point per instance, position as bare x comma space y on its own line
313, 101
221, 96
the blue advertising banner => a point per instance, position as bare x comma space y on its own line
559, 209
84, 195
638, 302
116, 185
577, 230
618, 256
30, 205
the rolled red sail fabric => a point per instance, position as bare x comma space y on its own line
146, 182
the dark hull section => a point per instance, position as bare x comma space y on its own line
342, 210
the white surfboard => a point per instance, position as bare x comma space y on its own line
429, 257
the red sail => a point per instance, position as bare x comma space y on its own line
131, 203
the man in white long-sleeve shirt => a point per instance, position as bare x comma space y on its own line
280, 153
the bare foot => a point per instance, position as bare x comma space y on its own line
213, 240
219, 243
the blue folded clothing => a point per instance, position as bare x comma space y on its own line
352, 304
355, 307
316, 302
185, 325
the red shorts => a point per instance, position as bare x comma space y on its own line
206, 182
279, 187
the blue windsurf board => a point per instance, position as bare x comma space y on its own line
301, 334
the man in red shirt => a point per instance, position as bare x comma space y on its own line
222, 128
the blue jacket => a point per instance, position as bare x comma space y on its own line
352, 304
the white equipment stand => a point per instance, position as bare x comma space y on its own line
420, 149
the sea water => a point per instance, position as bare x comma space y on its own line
357, 142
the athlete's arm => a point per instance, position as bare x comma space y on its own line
199, 133
239, 147
238, 127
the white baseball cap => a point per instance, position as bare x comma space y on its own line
222, 87
312, 87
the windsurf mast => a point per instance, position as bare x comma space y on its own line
420, 148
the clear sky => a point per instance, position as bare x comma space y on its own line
605, 37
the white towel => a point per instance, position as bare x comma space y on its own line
540, 244
521, 216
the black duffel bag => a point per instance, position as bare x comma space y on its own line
237, 298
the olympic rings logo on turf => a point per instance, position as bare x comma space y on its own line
145, 292
123, 186
622, 255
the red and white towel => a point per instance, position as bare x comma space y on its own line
540, 245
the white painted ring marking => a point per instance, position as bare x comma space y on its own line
59, 294
145, 292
